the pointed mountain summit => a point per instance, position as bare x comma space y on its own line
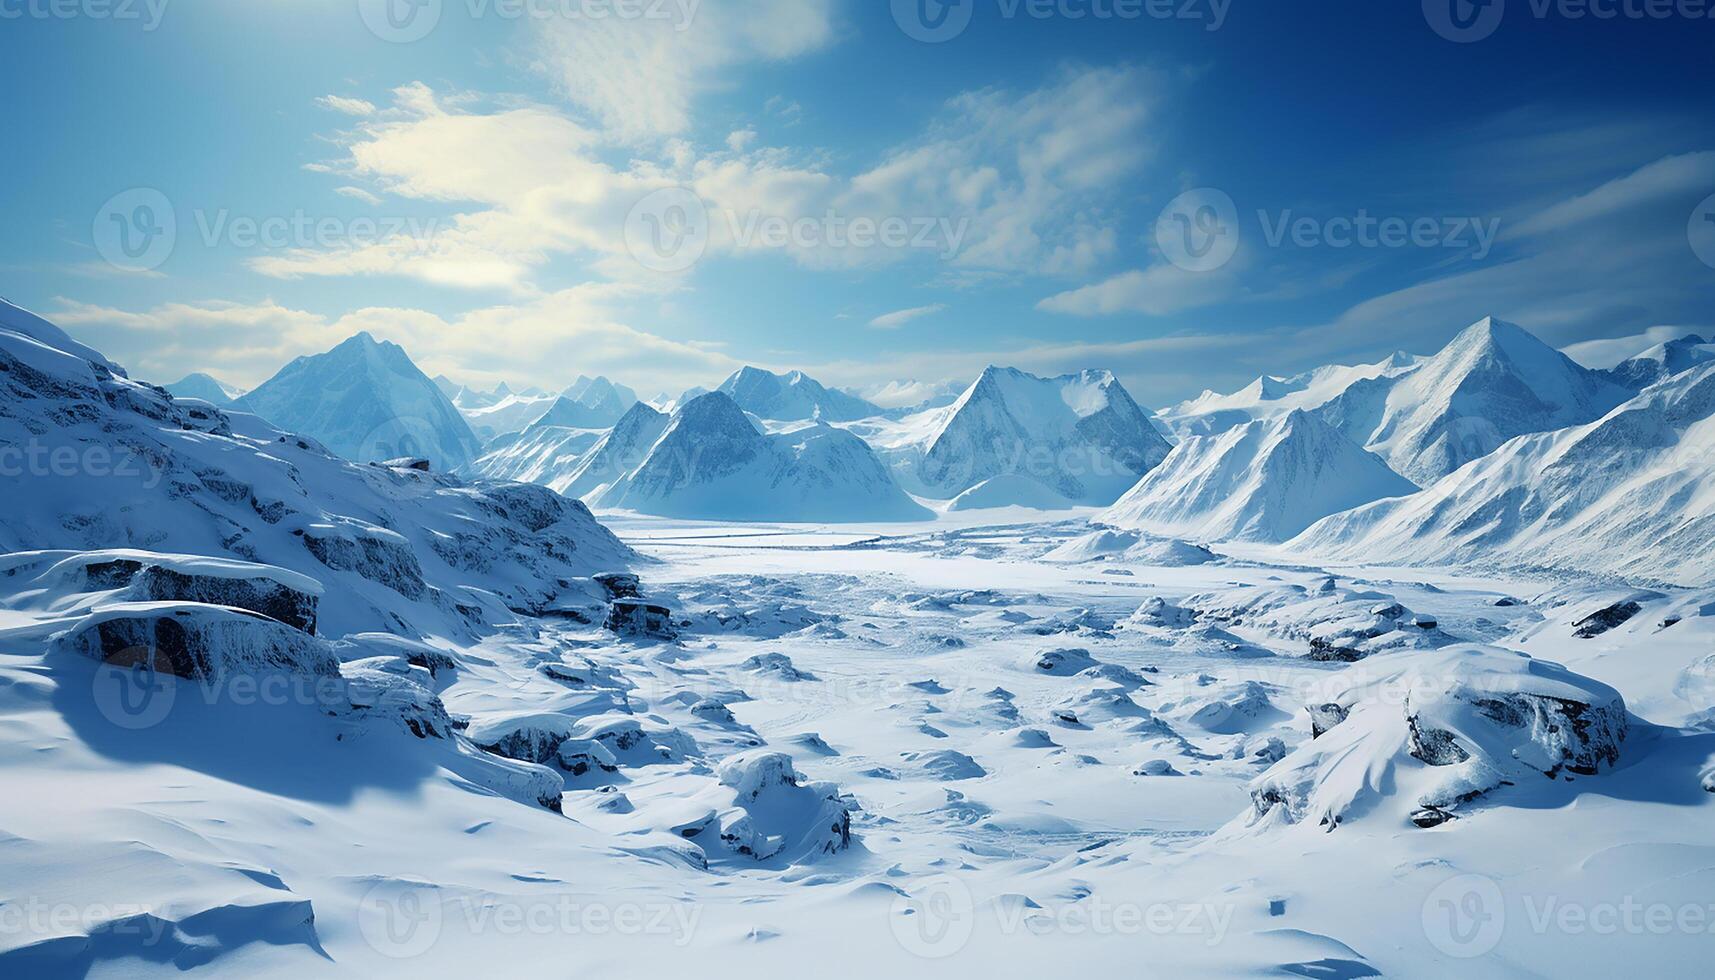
711, 463
366, 401
793, 397
1266, 480
1492, 382
1661, 362
207, 388
1627, 494
1080, 436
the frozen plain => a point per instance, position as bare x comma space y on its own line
1037, 780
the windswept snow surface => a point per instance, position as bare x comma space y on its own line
1260, 481
366, 401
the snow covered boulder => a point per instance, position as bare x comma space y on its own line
1414, 738
776, 814
148, 577
198, 642
392, 688
1064, 662
1336, 623
634, 617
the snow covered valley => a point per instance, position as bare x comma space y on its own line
1004, 763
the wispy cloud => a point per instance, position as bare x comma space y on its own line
899, 318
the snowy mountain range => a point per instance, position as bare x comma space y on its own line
712, 463
1079, 438
1662, 361
792, 397
1426, 417
1631, 494
366, 401
1265, 480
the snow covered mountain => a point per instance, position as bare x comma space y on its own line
1630, 494
712, 463
215, 392
1268, 397
604, 401
1492, 382
512, 413
1266, 480
620, 450
367, 402
572, 460
1662, 361
1079, 437
792, 397
385, 542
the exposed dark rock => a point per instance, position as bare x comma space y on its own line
634, 617
1603, 620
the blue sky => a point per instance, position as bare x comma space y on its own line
469, 193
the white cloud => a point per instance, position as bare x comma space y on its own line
1662, 178
546, 341
639, 76
349, 106
1156, 291
899, 318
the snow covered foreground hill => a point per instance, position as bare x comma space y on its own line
366, 401
1631, 494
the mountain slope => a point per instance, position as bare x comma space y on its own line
1631, 494
392, 546
1080, 436
366, 401
1262, 481
1661, 362
216, 393
792, 397
711, 463
1492, 382
1268, 397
